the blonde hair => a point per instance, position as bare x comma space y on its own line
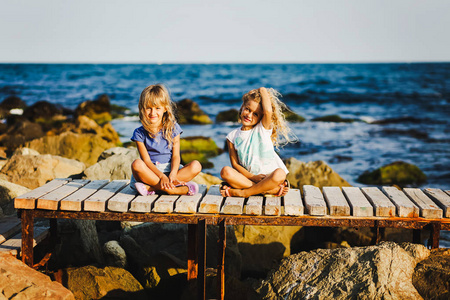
158, 95
281, 133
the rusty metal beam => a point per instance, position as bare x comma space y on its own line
201, 243
192, 271
222, 244
27, 237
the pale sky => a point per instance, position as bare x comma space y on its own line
241, 31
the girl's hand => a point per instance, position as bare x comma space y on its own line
257, 178
165, 183
173, 179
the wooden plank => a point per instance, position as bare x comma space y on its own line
189, 204
233, 206
383, 206
293, 205
97, 201
212, 201
143, 204
28, 200
428, 209
9, 226
273, 206
405, 207
13, 244
52, 200
74, 202
336, 201
314, 202
165, 203
359, 204
121, 200
441, 199
254, 205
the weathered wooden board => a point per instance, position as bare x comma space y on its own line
441, 199
293, 205
212, 201
9, 226
14, 244
120, 202
383, 206
97, 201
189, 204
143, 204
336, 201
52, 200
74, 202
272, 206
28, 200
314, 202
233, 206
405, 207
165, 203
428, 209
254, 205
360, 206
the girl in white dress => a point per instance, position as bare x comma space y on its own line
255, 166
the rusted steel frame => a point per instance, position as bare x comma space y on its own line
222, 244
192, 252
201, 243
435, 234
27, 236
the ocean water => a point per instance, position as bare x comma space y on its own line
414, 97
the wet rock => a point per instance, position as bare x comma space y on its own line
376, 272
33, 171
9, 191
116, 165
406, 119
334, 119
90, 282
231, 115
115, 256
189, 112
316, 173
292, 117
20, 133
12, 102
340, 159
198, 148
99, 110
409, 132
398, 173
42, 111
18, 281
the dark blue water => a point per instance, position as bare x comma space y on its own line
418, 94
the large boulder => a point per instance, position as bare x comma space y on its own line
114, 164
33, 171
207, 179
231, 115
199, 148
316, 173
12, 102
90, 282
399, 173
376, 272
18, 281
42, 111
98, 110
19, 133
9, 191
189, 112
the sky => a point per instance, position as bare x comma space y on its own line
228, 31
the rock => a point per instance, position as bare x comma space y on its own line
376, 272
231, 115
114, 254
12, 102
199, 148
263, 247
118, 111
189, 112
114, 167
399, 173
432, 276
9, 191
42, 111
18, 281
333, 118
85, 147
316, 173
291, 116
25, 151
33, 171
208, 179
99, 110
405, 119
19, 133
90, 282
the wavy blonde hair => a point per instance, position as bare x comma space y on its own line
158, 95
281, 133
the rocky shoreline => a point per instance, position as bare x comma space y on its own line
98, 259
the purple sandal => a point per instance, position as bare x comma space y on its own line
142, 190
193, 188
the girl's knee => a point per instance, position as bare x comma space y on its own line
137, 165
226, 172
196, 166
279, 175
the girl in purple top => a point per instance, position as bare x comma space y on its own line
158, 143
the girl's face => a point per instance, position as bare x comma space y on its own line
251, 114
155, 114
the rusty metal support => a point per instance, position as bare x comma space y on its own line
435, 234
222, 244
201, 242
192, 252
417, 236
27, 237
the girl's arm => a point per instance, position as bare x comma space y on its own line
267, 108
146, 158
235, 164
175, 161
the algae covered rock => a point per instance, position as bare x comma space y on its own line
189, 112
399, 173
291, 116
334, 119
231, 115
98, 110
199, 148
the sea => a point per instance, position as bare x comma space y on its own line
402, 110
